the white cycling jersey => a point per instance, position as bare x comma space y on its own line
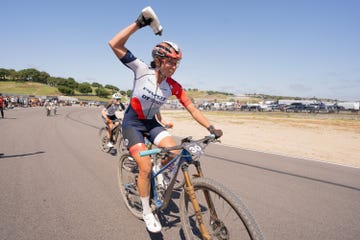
147, 96
111, 109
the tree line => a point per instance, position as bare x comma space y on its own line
66, 86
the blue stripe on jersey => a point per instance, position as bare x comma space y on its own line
129, 57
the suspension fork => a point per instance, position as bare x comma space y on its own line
189, 188
210, 204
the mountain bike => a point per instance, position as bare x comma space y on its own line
116, 138
179, 181
208, 210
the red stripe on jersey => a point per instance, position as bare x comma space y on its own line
136, 105
179, 92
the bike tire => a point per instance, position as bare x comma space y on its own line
127, 179
103, 140
121, 146
238, 224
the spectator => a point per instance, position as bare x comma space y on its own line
2, 105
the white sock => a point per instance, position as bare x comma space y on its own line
146, 205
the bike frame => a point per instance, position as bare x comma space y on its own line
183, 159
177, 161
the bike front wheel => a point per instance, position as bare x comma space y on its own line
103, 140
127, 179
223, 213
121, 145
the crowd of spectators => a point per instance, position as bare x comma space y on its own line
13, 101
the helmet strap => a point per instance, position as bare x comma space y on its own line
158, 69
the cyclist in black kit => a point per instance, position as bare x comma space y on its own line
108, 114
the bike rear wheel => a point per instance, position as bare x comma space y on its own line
232, 221
103, 140
127, 179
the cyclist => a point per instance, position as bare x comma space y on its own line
2, 106
108, 115
48, 105
151, 88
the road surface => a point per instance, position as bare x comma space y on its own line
55, 183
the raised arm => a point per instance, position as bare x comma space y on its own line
147, 17
117, 43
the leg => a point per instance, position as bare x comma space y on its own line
108, 134
144, 165
167, 141
110, 127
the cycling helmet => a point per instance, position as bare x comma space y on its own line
116, 96
167, 49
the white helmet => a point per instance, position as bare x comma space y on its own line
116, 96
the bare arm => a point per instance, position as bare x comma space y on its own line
162, 122
103, 113
117, 43
198, 116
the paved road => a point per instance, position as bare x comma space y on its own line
56, 184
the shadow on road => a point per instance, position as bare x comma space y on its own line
2, 155
169, 217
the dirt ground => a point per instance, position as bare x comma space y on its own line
332, 138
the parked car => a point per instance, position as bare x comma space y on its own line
295, 107
205, 106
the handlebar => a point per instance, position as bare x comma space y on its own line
149, 152
206, 140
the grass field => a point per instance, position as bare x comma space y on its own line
27, 88
38, 89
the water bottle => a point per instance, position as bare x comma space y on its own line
148, 12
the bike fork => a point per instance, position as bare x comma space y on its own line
213, 214
191, 193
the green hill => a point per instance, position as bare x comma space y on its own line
27, 88
38, 89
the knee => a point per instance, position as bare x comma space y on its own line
144, 163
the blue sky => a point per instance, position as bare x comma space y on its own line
301, 48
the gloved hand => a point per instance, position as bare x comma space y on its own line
217, 132
141, 21
148, 17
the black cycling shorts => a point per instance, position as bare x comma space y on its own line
133, 130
